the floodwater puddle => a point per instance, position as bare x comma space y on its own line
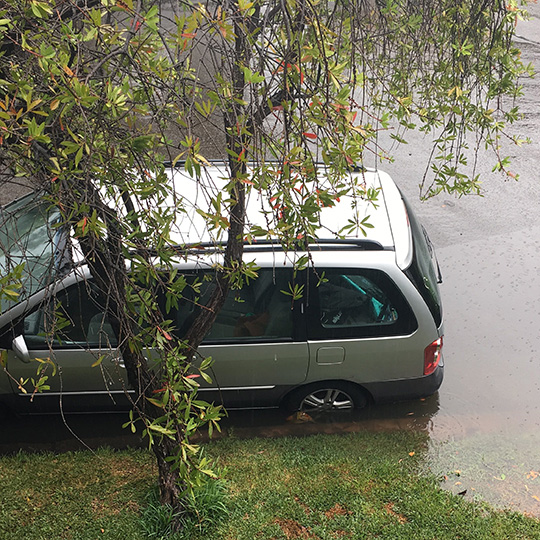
501, 469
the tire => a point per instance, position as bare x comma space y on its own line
327, 397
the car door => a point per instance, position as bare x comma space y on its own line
256, 341
361, 328
71, 330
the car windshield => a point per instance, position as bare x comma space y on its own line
30, 235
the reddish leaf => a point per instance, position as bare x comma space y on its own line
166, 335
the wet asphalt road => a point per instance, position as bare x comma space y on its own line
484, 423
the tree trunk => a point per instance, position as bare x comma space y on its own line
108, 268
170, 487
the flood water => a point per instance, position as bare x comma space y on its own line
487, 425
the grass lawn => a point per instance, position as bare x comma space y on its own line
327, 487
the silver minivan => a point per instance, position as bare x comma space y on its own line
369, 331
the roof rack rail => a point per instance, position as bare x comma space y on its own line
181, 162
265, 245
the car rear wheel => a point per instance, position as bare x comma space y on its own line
327, 397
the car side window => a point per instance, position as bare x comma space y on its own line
257, 311
72, 318
354, 300
359, 303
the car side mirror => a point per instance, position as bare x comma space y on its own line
20, 349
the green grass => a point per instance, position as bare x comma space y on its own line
325, 487
75, 496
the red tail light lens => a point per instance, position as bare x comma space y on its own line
432, 356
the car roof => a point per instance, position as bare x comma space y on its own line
387, 216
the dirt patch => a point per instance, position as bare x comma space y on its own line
292, 529
111, 506
127, 471
337, 510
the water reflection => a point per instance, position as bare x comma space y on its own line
502, 470
52, 433
415, 415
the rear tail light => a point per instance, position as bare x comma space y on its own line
432, 356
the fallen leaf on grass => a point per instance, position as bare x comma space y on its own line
299, 417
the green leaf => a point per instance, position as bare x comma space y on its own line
40, 9
3, 358
162, 430
98, 361
156, 402
142, 142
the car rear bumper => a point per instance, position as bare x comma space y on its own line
405, 389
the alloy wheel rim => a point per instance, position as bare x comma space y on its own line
327, 399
